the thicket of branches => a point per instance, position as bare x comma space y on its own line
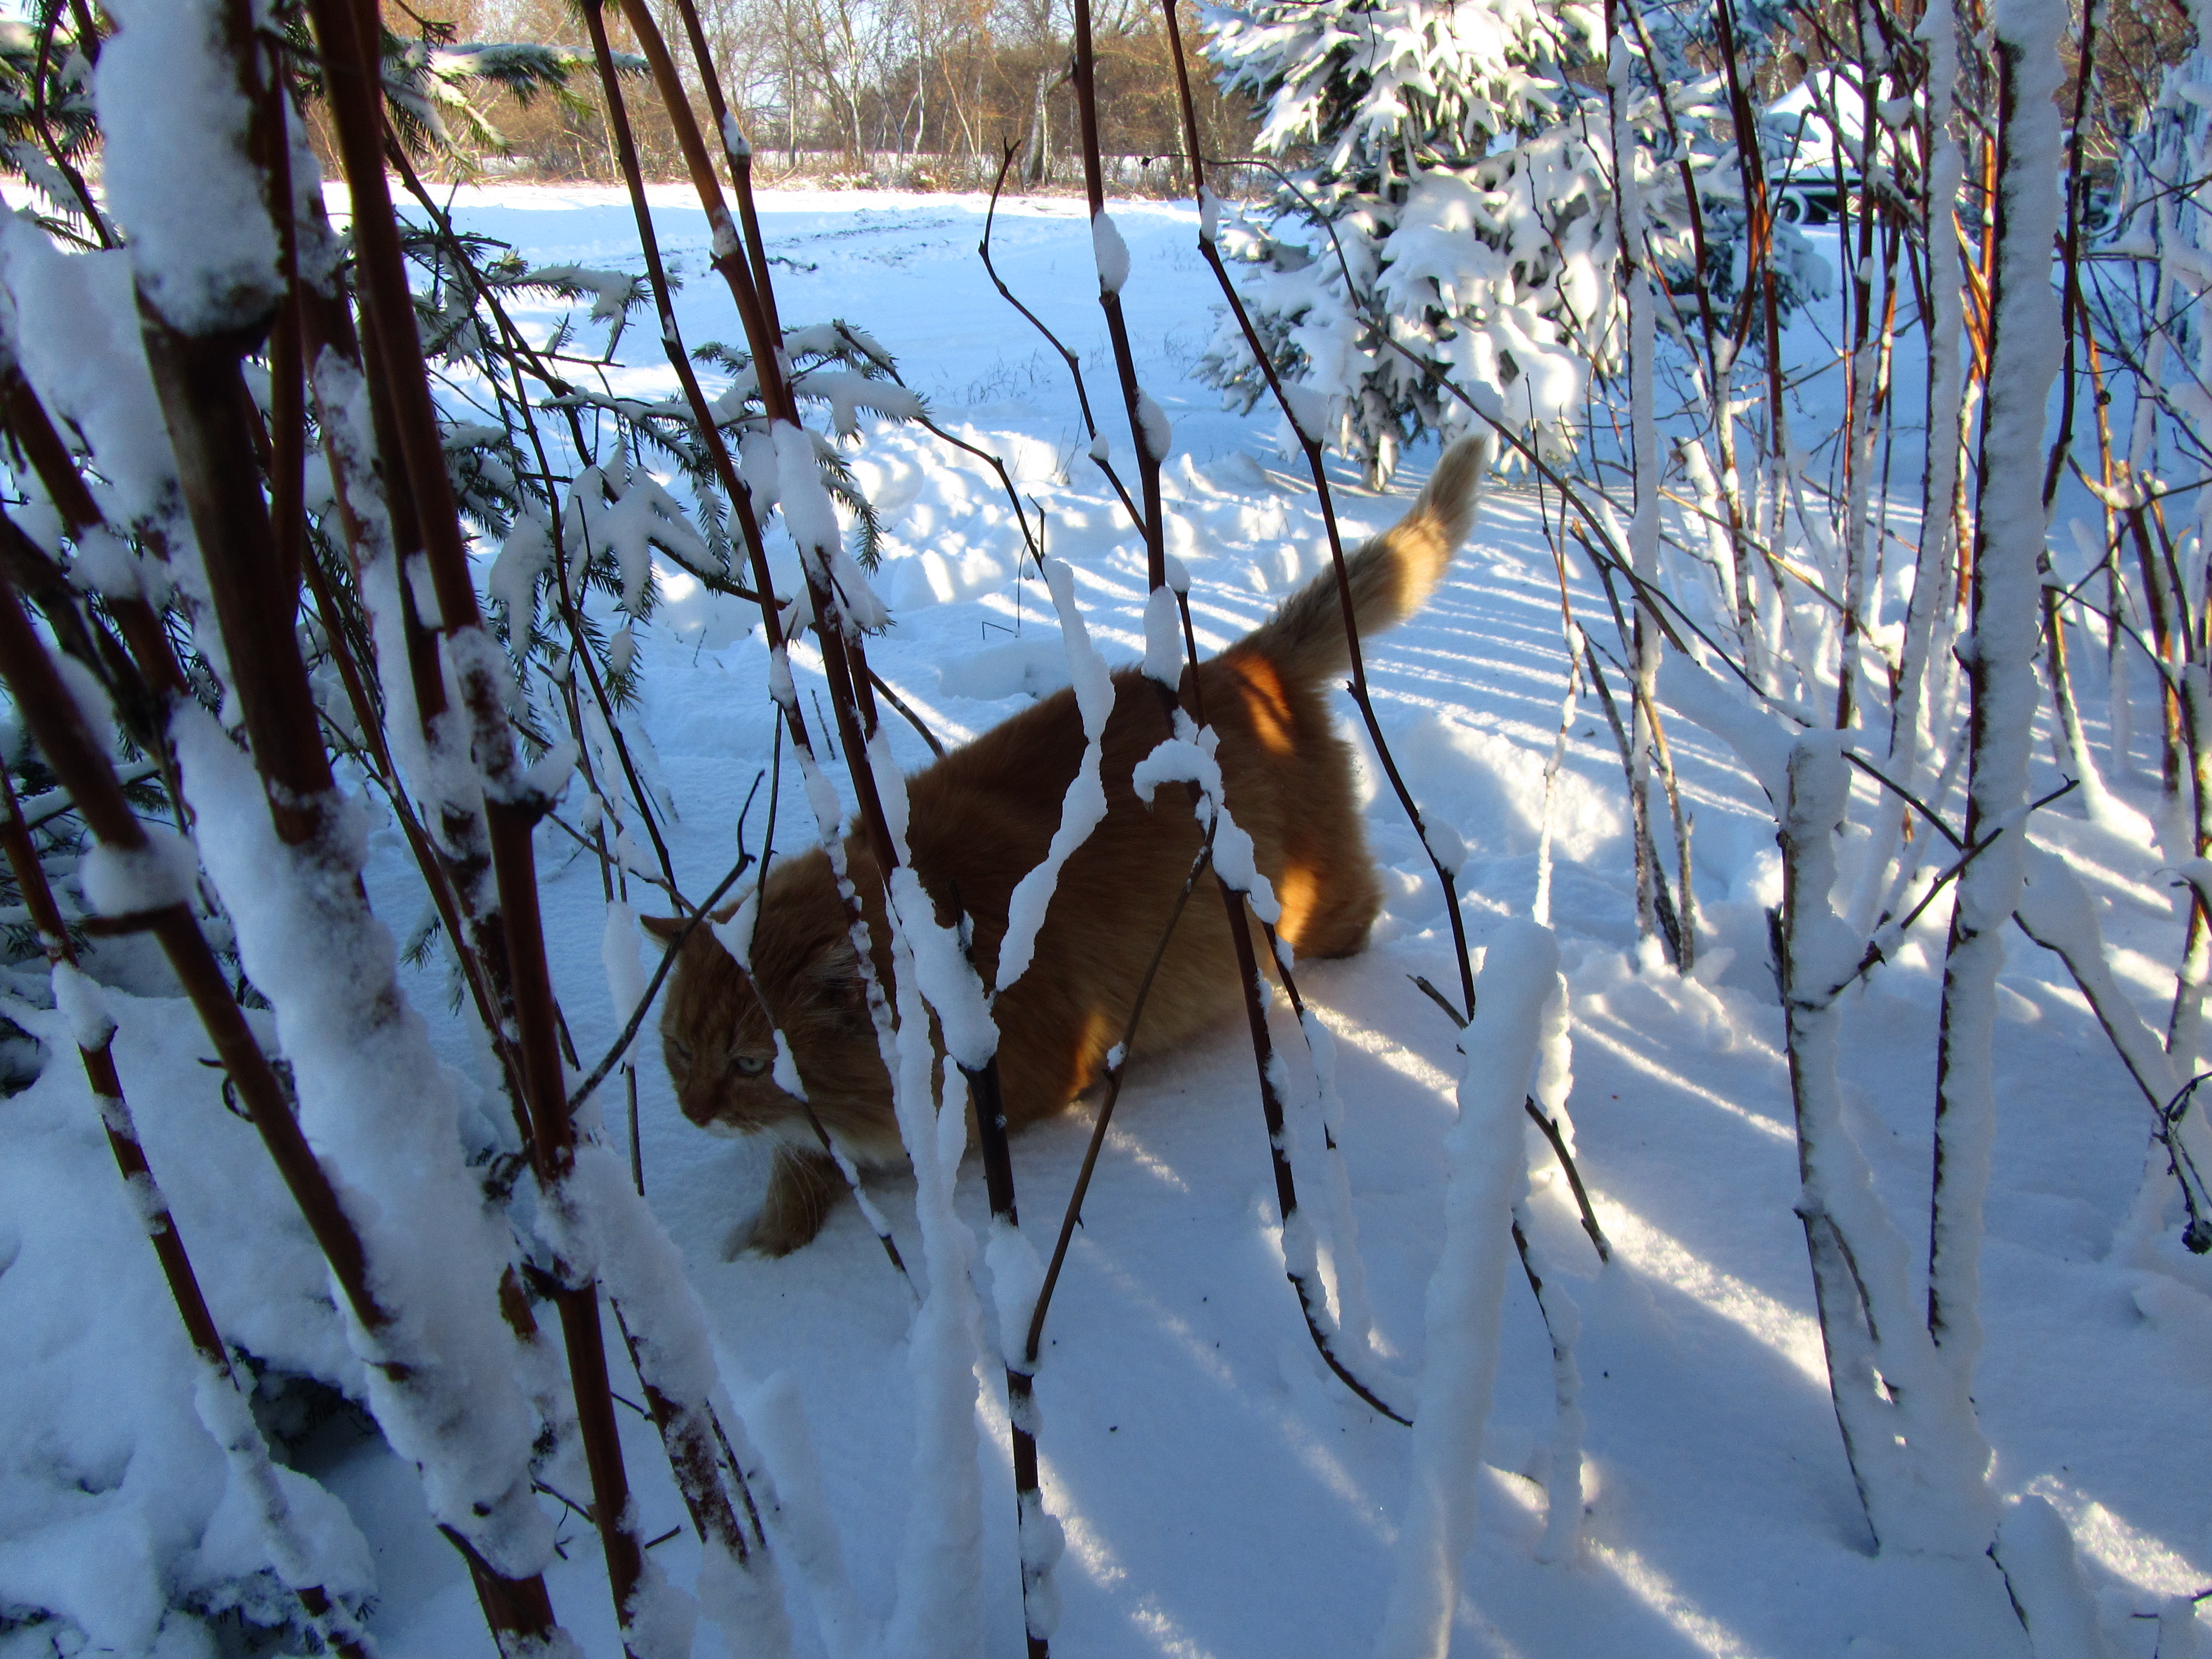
183, 616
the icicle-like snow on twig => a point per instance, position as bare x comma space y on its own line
1466, 1298
940, 1569
1189, 757
1355, 1319
1540, 907
1084, 806
603, 1220
796, 1513
625, 971
1554, 1082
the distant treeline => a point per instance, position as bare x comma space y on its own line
921, 93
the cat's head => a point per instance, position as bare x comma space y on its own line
718, 1024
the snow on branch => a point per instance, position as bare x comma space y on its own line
1519, 986
1084, 806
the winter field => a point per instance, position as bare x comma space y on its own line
1222, 1494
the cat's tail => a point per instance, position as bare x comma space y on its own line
1391, 576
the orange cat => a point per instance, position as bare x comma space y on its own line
983, 816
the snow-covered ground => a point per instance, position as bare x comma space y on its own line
1222, 1494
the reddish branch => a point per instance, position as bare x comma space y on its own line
348, 37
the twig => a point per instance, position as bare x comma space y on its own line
912, 719
1117, 1065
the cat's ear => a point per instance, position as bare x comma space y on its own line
836, 973
665, 928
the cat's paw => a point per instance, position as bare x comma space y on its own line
772, 1234
802, 1186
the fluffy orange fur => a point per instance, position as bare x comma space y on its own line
984, 815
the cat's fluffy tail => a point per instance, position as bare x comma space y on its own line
1391, 576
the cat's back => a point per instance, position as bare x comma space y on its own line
986, 814
1020, 754
1024, 763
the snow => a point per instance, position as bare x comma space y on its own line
940, 1603
643, 1273
118, 881
1017, 1276
115, 1487
1163, 643
1189, 757
1112, 253
1153, 427
2004, 644
613, 292
795, 1510
84, 1006
177, 172
626, 975
1219, 1491
87, 363
524, 557
955, 995
2037, 1553
615, 509
811, 523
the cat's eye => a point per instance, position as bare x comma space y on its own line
750, 1064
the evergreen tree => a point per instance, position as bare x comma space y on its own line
1458, 191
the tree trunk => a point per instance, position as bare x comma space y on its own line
1036, 161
